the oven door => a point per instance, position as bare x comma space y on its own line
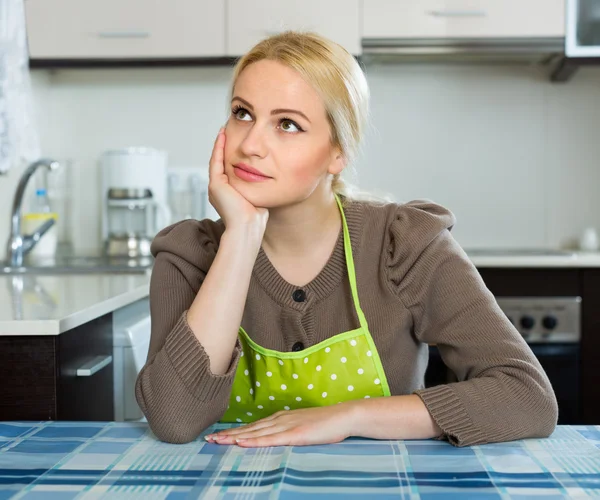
560, 362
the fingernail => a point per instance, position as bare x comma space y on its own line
208, 437
241, 440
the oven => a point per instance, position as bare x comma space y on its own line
551, 326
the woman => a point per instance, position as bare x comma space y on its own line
337, 299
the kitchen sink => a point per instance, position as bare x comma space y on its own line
81, 265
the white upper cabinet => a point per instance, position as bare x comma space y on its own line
250, 21
463, 18
112, 29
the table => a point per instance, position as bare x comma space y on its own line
85, 460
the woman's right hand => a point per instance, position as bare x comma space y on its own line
233, 208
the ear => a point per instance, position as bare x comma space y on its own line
338, 162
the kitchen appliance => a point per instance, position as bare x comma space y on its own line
134, 200
551, 326
583, 29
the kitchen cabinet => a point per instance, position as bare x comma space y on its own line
59, 377
463, 18
249, 22
132, 29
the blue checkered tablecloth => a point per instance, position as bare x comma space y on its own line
89, 460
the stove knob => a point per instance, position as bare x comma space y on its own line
527, 322
549, 322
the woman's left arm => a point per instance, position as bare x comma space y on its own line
395, 417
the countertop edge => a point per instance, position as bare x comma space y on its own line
53, 327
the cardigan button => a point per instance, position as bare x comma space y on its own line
298, 346
299, 295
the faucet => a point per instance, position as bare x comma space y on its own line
19, 244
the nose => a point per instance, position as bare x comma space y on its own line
254, 143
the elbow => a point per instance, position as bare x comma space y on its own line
177, 421
547, 424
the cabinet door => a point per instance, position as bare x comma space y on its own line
463, 18
249, 22
86, 378
113, 29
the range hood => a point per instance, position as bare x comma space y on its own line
469, 50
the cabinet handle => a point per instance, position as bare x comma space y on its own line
123, 34
458, 13
93, 366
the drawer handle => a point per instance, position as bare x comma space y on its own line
458, 13
93, 366
123, 34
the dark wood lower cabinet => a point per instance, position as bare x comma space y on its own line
39, 379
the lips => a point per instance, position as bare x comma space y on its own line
252, 170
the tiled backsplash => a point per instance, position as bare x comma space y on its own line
516, 157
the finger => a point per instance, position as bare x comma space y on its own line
284, 438
259, 424
247, 429
265, 431
215, 165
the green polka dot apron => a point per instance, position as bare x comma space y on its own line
341, 368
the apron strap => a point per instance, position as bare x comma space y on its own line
350, 266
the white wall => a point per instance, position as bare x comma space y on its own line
515, 157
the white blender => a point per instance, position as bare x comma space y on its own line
134, 200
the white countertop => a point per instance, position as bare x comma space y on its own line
568, 260
53, 304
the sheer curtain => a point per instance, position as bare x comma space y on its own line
18, 135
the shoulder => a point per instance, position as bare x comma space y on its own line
405, 229
194, 241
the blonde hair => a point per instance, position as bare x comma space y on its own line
334, 74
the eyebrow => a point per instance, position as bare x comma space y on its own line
274, 111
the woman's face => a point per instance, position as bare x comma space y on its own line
278, 126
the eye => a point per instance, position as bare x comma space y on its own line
241, 114
290, 126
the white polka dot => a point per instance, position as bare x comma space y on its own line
251, 391
258, 356
238, 398
272, 398
281, 362
369, 353
305, 360
260, 407
283, 387
343, 360
350, 388
324, 394
377, 381
310, 386
242, 354
294, 375
319, 368
286, 407
238, 419
353, 342
327, 349
333, 376
367, 397
246, 372
249, 413
257, 383
360, 371
269, 374
298, 398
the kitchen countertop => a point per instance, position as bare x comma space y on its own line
64, 460
53, 304
534, 258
